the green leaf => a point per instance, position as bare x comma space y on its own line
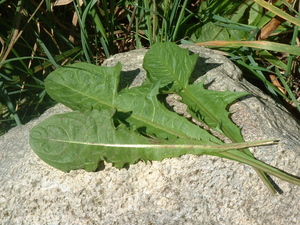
134, 124
79, 140
212, 32
255, 14
169, 64
210, 108
207, 106
83, 86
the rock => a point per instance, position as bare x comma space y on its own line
185, 190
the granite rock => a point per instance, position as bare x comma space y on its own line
185, 190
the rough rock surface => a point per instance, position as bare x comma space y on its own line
185, 190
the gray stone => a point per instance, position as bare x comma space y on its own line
185, 190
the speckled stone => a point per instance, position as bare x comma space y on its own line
185, 190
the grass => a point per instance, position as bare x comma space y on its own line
39, 36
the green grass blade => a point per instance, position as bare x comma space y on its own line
46, 50
179, 20
266, 45
5, 96
287, 88
278, 12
